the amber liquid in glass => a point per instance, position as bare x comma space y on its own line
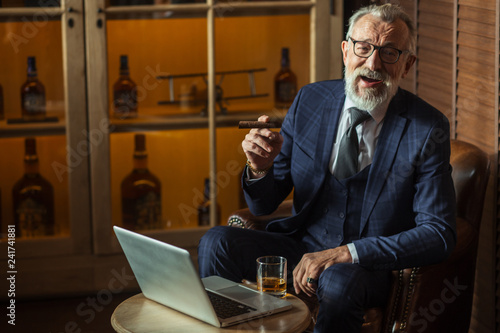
285, 83
32, 95
204, 207
33, 199
141, 193
124, 93
272, 285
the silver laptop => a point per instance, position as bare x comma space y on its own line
166, 274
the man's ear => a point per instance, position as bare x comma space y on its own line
409, 63
345, 48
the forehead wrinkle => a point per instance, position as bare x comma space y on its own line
373, 30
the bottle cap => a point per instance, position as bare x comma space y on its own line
30, 149
31, 65
140, 145
285, 61
123, 62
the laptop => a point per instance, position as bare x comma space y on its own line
166, 274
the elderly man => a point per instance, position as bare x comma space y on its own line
369, 166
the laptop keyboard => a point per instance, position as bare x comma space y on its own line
227, 308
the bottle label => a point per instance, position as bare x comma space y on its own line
33, 219
125, 103
34, 103
286, 91
204, 216
147, 211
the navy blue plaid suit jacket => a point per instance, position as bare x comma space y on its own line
408, 214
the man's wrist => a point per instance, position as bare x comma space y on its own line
258, 173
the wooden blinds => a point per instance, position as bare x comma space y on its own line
435, 54
457, 71
477, 122
475, 72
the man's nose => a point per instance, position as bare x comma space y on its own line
373, 62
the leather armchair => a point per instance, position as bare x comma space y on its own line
435, 298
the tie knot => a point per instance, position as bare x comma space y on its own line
358, 116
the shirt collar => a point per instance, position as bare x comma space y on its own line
377, 114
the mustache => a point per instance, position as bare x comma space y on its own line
374, 75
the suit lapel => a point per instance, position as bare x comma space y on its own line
387, 147
331, 111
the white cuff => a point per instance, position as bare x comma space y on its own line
354, 253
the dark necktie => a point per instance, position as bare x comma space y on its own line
347, 158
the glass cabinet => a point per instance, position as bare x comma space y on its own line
142, 104
44, 41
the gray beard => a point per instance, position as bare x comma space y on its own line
372, 97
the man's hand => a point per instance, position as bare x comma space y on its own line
313, 264
261, 146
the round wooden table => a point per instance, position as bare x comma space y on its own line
140, 315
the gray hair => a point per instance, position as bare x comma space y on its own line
387, 13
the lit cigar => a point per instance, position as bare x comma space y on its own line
258, 124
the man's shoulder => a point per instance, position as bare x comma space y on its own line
327, 87
416, 105
413, 100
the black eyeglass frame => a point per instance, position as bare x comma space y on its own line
375, 47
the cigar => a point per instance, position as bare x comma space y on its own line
258, 124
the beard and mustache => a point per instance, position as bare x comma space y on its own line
369, 98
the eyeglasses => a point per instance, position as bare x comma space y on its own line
389, 55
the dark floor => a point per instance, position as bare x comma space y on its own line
82, 314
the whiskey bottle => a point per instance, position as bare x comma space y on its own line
124, 93
204, 207
285, 82
32, 95
1, 103
33, 198
141, 193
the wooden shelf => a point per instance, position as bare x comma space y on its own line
223, 9
180, 122
32, 129
50, 12
145, 123
263, 7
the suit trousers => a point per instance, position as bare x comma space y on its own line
344, 290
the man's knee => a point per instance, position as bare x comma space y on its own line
209, 250
214, 237
337, 280
224, 241
353, 283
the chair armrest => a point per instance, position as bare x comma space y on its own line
243, 218
447, 286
